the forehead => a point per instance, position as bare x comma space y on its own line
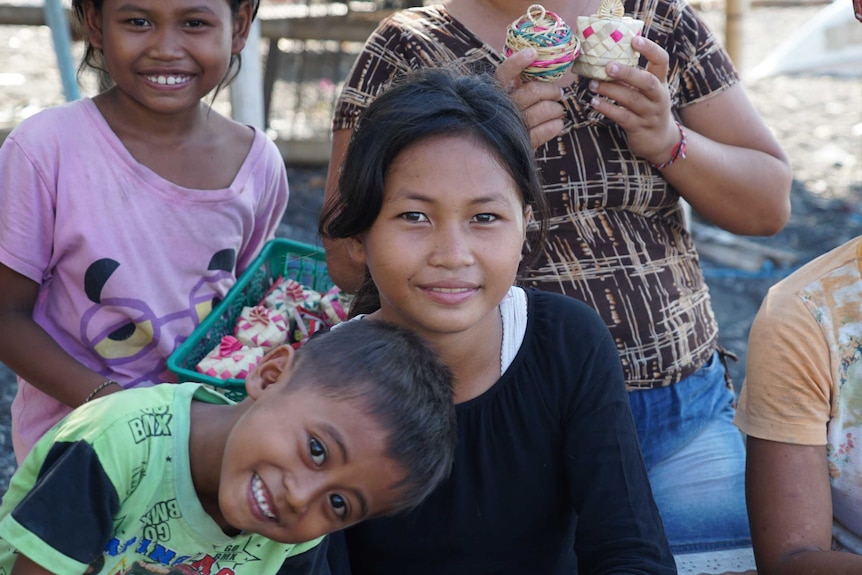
459, 164
169, 5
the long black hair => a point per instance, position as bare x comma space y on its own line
425, 103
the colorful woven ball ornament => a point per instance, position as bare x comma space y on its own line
556, 46
606, 37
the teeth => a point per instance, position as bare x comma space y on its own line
168, 80
450, 290
259, 497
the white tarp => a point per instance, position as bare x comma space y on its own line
830, 43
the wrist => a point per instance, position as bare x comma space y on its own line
99, 389
677, 153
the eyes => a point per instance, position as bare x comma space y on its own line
339, 505
193, 23
419, 217
317, 451
318, 456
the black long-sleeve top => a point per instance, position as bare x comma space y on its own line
548, 476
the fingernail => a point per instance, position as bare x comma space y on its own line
530, 52
594, 85
613, 69
594, 102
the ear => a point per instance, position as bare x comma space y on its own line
528, 217
274, 368
356, 249
241, 26
93, 25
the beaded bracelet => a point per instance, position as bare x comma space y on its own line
100, 387
678, 152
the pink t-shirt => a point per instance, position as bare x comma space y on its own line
128, 263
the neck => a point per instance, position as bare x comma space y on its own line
209, 428
129, 120
473, 356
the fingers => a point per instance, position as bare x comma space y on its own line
638, 100
509, 72
538, 101
545, 132
643, 92
656, 56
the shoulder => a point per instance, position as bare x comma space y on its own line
836, 267
268, 150
567, 336
415, 19
55, 125
800, 340
820, 298
560, 312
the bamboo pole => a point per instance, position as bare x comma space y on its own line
734, 33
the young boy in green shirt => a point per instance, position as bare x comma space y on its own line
357, 423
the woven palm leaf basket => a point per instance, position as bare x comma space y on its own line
555, 43
606, 37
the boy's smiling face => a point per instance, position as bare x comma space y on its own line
298, 465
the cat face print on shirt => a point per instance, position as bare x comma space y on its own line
133, 335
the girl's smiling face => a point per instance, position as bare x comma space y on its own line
167, 54
446, 245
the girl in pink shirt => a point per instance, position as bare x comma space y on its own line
125, 217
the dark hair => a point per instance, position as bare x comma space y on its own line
93, 59
402, 383
424, 103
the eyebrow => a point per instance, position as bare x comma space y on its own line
132, 7
492, 198
339, 441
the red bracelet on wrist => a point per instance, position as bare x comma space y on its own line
678, 152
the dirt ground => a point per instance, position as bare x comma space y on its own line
818, 119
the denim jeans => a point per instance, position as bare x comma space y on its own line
695, 458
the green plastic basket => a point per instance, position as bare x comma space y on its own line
279, 257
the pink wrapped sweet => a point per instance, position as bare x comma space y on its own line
284, 295
307, 322
332, 307
260, 326
230, 359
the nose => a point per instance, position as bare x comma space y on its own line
302, 489
166, 44
452, 248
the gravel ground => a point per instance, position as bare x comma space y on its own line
818, 119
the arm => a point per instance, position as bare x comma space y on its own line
735, 173
345, 273
31, 352
23, 566
619, 529
271, 195
790, 510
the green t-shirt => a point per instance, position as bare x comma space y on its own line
109, 489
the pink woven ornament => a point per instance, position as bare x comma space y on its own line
605, 38
230, 359
332, 308
261, 327
284, 295
555, 44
